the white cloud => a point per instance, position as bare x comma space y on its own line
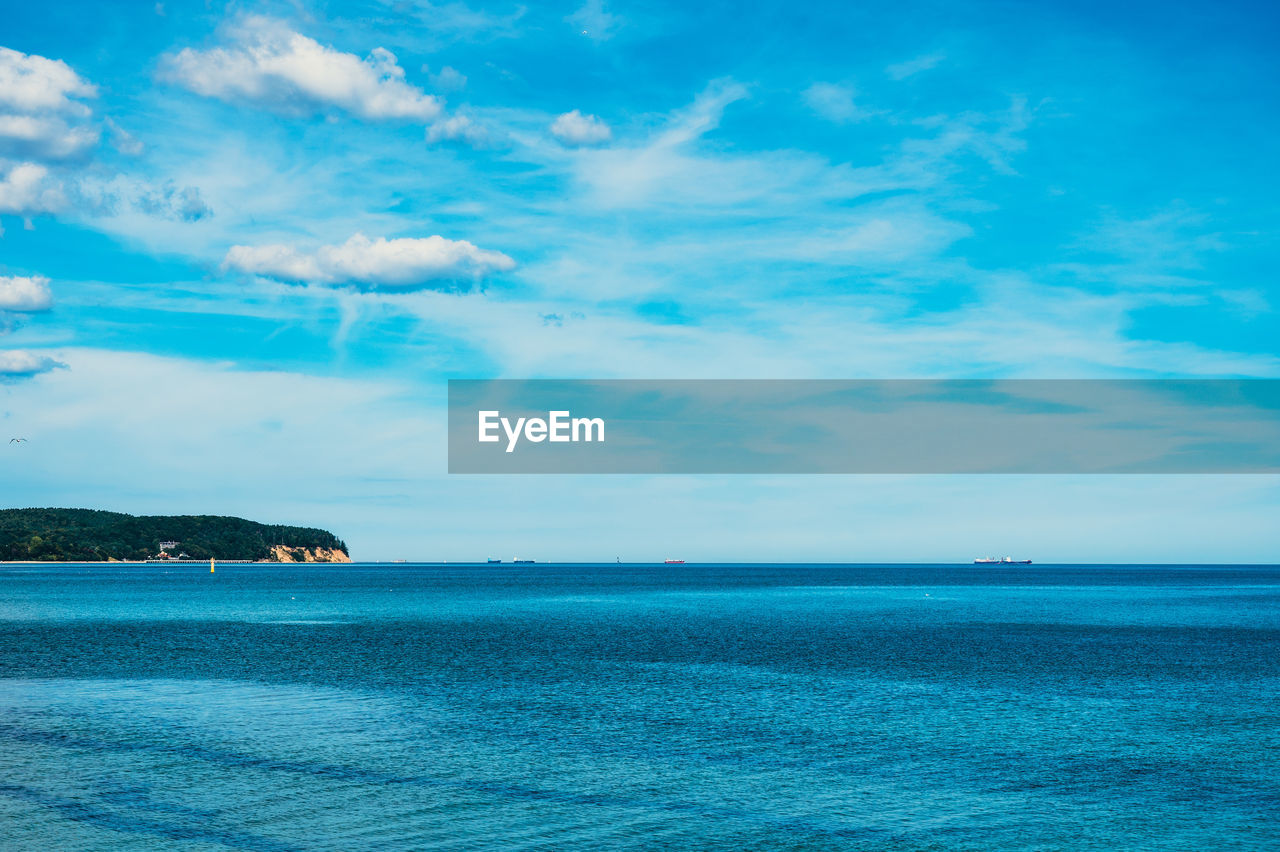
1176, 237
31, 84
448, 80
45, 137
274, 67
574, 128
39, 116
833, 102
169, 202
1014, 328
21, 364
891, 233
28, 188
122, 140
673, 171
399, 264
25, 294
668, 170
903, 70
457, 128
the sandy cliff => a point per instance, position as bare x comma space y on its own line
280, 553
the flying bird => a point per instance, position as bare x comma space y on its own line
17, 440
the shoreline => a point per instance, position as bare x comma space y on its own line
610, 563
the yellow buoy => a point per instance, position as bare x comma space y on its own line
210, 566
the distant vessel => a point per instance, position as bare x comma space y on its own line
1007, 560
495, 561
522, 561
673, 562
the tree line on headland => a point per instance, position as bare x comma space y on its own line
90, 535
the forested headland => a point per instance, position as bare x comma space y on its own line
90, 535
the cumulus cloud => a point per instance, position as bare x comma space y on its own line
40, 116
272, 66
381, 264
44, 137
574, 128
457, 128
21, 364
47, 139
25, 294
28, 188
833, 102
31, 84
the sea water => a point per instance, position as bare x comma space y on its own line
920, 707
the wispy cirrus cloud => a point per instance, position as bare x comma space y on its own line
399, 264
673, 169
269, 65
285, 414
169, 202
663, 165
1171, 238
447, 79
1013, 326
912, 67
834, 102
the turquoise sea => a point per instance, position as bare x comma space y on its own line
558, 707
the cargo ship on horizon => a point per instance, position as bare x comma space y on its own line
1007, 560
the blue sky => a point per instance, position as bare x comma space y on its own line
245, 245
